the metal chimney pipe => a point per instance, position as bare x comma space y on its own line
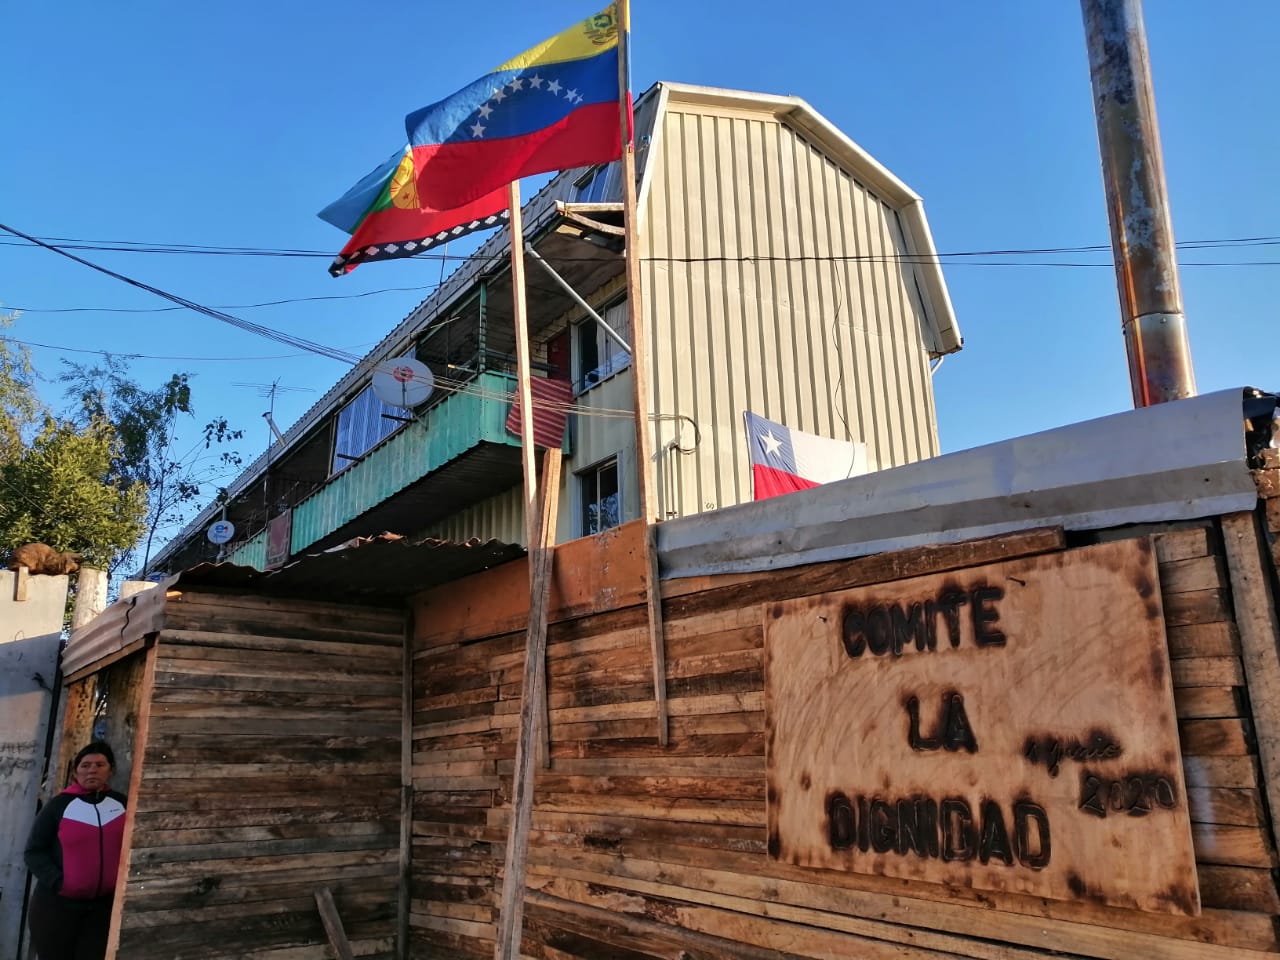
1155, 327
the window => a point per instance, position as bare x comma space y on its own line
601, 501
592, 187
361, 426
598, 354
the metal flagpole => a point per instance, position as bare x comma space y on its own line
640, 370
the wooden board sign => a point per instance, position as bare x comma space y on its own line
1008, 727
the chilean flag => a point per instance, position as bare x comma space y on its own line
785, 460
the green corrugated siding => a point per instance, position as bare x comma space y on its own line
251, 553
446, 431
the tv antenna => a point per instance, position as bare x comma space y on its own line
270, 390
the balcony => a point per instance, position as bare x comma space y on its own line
455, 454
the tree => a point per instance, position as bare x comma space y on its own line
104, 476
147, 426
19, 407
57, 485
60, 489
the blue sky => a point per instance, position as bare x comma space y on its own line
232, 124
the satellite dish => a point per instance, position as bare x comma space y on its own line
221, 531
403, 382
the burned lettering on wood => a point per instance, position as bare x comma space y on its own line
946, 829
1051, 750
952, 733
1136, 794
891, 629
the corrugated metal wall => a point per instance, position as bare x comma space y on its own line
752, 305
498, 518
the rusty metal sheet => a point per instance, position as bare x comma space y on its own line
1008, 727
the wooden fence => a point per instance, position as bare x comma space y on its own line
637, 851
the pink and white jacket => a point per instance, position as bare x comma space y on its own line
74, 848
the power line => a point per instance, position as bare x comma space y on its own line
224, 306
279, 337
146, 356
129, 246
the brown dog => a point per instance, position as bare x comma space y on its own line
40, 558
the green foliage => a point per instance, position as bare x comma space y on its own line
60, 490
19, 407
146, 424
105, 476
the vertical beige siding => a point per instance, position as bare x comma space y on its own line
772, 284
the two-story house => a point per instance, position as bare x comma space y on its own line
784, 272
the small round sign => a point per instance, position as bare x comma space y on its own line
221, 531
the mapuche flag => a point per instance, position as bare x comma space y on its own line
386, 218
553, 107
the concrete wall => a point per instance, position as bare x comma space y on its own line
30, 632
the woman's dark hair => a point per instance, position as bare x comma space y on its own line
96, 747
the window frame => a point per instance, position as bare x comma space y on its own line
615, 358
588, 488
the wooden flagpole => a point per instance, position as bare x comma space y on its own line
540, 527
640, 372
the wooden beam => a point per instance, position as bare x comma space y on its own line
333, 925
640, 374
140, 736
1259, 641
403, 903
21, 582
533, 708
657, 641
543, 576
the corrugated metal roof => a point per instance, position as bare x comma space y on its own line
375, 571
380, 570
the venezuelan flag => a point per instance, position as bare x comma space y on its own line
551, 108
386, 218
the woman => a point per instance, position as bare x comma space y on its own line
73, 852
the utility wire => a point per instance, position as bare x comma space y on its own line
279, 337
147, 356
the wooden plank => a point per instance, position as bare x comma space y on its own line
1268, 483
1204, 640
1259, 640
1241, 808
544, 571
135, 788
1197, 606
691, 874
1238, 888
1215, 738
1238, 846
533, 703
1208, 672
863, 571
1186, 576
406, 790
1184, 544
333, 925
1208, 702
922, 697
653, 603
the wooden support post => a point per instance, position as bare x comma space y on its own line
1256, 617
534, 729
542, 577
91, 596
140, 736
333, 925
640, 369
657, 644
406, 791
21, 582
